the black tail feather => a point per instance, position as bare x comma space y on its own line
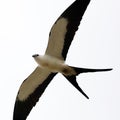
85, 70
72, 80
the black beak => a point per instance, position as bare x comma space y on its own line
35, 55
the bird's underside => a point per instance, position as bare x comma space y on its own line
53, 62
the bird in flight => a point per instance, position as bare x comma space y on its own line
53, 61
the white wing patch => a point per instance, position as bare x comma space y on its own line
56, 39
32, 82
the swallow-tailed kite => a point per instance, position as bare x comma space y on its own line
60, 38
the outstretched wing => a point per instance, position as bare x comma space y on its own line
30, 91
63, 31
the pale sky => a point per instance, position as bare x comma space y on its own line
24, 29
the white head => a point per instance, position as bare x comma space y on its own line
38, 58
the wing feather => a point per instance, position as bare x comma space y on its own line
61, 36
30, 91
63, 31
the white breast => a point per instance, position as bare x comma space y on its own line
51, 63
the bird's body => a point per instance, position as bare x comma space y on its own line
53, 61
54, 65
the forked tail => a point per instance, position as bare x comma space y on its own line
72, 78
85, 70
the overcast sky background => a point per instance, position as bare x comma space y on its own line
24, 29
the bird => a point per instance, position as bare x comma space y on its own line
53, 61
